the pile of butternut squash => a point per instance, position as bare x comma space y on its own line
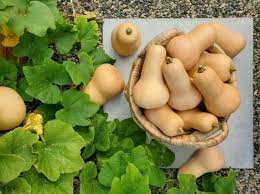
183, 86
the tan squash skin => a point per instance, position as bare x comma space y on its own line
196, 119
220, 63
106, 83
183, 94
151, 91
202, 162
189, 47
12, 109
166, 120
125, 39
220, 99
231, 42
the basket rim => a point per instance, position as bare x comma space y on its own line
195, 139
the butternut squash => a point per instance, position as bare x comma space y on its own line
166, 120
202, 162
150, 91
183, 94
105, 84
220, 63
12, 109
231, 42
125, 39
189, 47
220, 99
196, 119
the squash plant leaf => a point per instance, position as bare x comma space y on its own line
116, 166
187, 185
16, 153
43, 81
18, 185
64, 36
81, 72
128, 128
100, 57
22, 86
4, 3
132, 182
89, 183
77, 108
59, 153
37, 20
52, 5
8, 73
159, 153
36, 48
41, 185
87, 33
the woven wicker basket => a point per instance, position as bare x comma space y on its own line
194, 139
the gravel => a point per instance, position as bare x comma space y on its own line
248, 179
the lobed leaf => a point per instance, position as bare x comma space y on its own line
59, 153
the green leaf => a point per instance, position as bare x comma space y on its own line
159, 153
8, 83
48, 111
41, 185
10, 167
8, 70
208, 181
88, 134
187, 184
226, 185
36, 48
139, 158
36, 21
103, 129
100, 57
88, 180
22, 86
6, 13
80, 73
116, 144
60, 151
4, 3
87, 33
157, 176
128, 128
63, 36
77, 108
115, 167
133, 182
52, 4
16, 186
88, 151
19, 142
41, 80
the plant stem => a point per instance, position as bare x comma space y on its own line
128, 31
201, 68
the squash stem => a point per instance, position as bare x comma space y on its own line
215, 125
232, 69
201, 68
168, 60
128, 31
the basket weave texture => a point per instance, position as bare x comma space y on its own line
194, 139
